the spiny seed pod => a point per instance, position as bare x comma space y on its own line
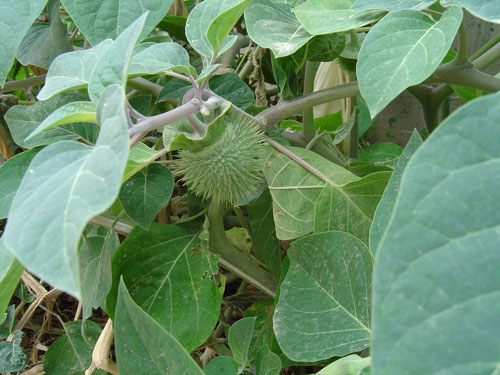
229, 169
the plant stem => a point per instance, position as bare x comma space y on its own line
485, 48
232, 259
461, 57
488, 58
23, 83
242, 219
159, 121
308, 119
145, 86
466, 75
273, 115
353, 135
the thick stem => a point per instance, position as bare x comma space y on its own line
228, 57
461, 57
488, 58
485, 48
145, 86
23, 83
273, 115
158, 121
308, 117
232, 259
465, 75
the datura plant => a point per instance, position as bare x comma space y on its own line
223, 187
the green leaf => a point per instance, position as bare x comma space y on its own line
161, 57
274, 26
383, 153
12, 356
102, 19
145, 193
295, 190
350, 208
171, 279
267, 362
313, 14
362, 169
16, 17
351, 365
385, 208
436, 273
325, 47
10, 273
265, 245
232, 88
239, 338
210, 22
138, 155
221, 365
72, 70
69, 113
7, 321
72, 353
174, 89
68, 183
325, 299
23, 120
143, 346
488, 10
11, 174
392, 5
112, 66
386, 65
95, 268
44, 42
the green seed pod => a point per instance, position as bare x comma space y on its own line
229, 169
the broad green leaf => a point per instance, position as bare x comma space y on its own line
274, 26
295, 190
351, 365
72, 70
383, 153
67, 184
239, 338
392, 5
12, 356
23, 120
11, 174
95, 268
265, 245
143, 346
385, 208
10, 273
436, 273
67, 114
112, 66
171, 279
326, 47
102, 19
325, 299
326, 16
72, 353
386, 65
210, 22
221, 365
145, 193
362, 169
488, 10
174, 89
44, 42
16, 17
232, 88
161, 57
138, 155
267, 362
350, 208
